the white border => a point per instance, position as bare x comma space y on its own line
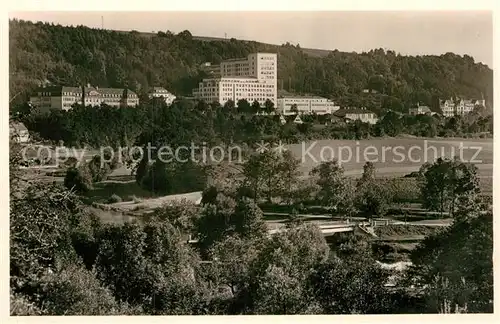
216, 5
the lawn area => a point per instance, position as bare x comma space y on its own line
392, 156
102, 191
111, 216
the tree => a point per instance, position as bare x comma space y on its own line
269, 106
98, 170
151, 266
41, 221
229, 106
243, 106
278, 283
248, 220
445, 182
350, 287
294, 109
372, 197
391, 124
333, 185
78, 179
289, 174
260, 172
368, 173
255, 108
73, 290
454, 266
228, 217
232, 259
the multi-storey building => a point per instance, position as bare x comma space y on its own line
252, 79
352, 114
63, 98
449, 107
160, 92
306, 105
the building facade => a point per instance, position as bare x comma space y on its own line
211, 69
419, 110
451, 108
160, 92
306, 105
62, 97
352, 114
253, 79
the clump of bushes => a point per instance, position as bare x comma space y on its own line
78, 179
403, 190
115, 199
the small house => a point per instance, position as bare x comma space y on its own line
352, 114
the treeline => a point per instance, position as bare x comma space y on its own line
186, 121
65, 261
75, 55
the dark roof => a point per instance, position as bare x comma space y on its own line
296, 96
291, 118
57, 90
344, 111
160, 89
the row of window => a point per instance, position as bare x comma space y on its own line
364, 116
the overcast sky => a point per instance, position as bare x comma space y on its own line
409, 32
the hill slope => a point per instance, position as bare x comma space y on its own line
72, 55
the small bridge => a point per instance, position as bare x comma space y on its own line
326, 230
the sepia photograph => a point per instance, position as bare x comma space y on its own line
250, 162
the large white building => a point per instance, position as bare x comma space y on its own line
63, 98
306, 105
160, 92
461, 107
253, 79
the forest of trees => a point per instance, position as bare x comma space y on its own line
185, 121
64, 260
76, 55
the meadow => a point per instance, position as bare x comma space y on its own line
393, 157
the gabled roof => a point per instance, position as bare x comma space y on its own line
160, 89
293, 118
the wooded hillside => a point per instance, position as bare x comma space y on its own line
70, 55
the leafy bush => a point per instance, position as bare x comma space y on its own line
74, 290
115, 199
21, 306
403, 190
71, 162
78, 179
372, 199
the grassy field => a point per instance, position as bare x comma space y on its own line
127, 191
394, 157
